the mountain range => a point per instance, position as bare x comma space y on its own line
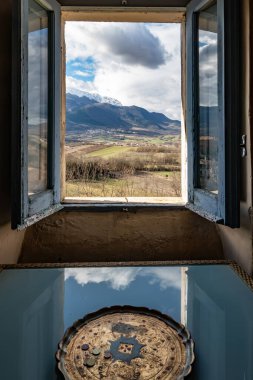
90, 112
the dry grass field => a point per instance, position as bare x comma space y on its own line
113, 170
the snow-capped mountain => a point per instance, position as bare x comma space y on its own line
88, 113
100, 99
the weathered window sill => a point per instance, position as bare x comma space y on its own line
122, 203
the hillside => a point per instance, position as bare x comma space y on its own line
87, 113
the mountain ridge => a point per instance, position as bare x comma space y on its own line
86, 113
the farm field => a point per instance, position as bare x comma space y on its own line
142, 185
147, 169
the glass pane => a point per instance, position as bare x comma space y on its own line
37, 98
208, 99
38, 305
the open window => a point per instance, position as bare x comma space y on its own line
123, 108
212, 104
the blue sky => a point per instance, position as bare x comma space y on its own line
90, 289
135, 63
82, 69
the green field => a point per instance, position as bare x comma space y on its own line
108, 152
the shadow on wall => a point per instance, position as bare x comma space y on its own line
5, 112
10, 241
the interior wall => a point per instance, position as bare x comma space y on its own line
237, 243
10, 241
142, 234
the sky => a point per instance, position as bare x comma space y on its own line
208, 68
38, 75
135, 63
90, 289
121, 278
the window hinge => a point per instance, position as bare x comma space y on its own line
250, 212
243, 146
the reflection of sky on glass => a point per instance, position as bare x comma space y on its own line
201, 44
208, 100
38, 76
37, 97
33, 303
208, 68
90, 289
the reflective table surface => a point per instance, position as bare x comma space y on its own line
38, 305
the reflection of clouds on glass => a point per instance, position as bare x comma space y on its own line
37, 97
37, 76
208, 68
166, 277
121, 278
207, 38
208, 99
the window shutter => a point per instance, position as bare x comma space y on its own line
213, 109
36, 110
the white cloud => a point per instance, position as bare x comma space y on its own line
121, 278
78, 86
118, 278
37, 76
208, 69
166, 277
77, 64
82, 73
136, 64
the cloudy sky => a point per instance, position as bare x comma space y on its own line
90, 289
208, 68
135, 63
121, 278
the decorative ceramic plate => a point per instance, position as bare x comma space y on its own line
126, 343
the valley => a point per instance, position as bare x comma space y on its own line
134, 158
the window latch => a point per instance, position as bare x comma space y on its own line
243, 146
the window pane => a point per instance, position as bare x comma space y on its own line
37, 98
208, 99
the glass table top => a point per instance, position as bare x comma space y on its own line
38, 305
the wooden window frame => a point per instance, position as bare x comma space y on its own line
28, 209
123, 14
224, 207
